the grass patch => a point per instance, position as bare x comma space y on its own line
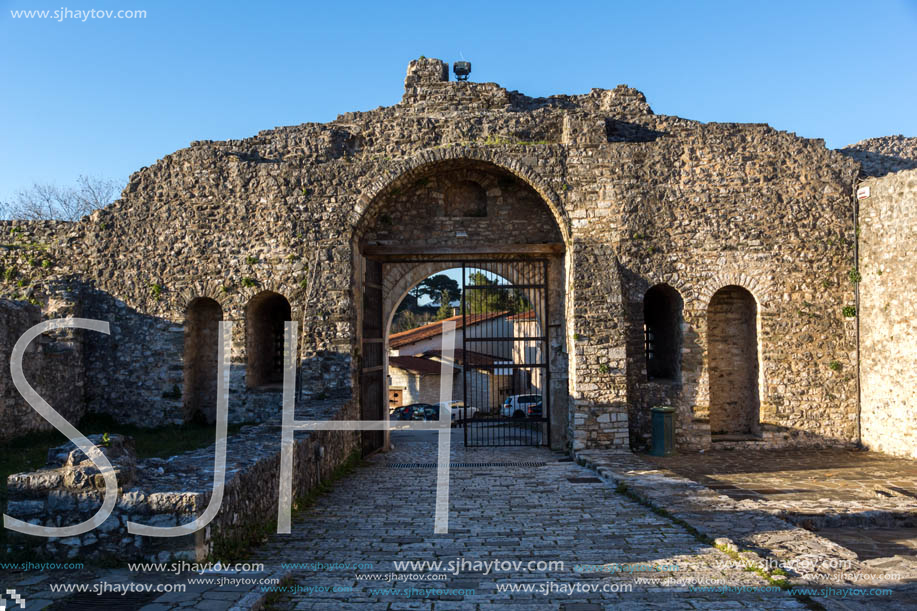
24, 454
160, 442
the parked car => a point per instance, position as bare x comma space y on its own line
420, 411
432, 412
460, 412
408, 412
522, 406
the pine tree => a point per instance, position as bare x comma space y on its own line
445, 306
494, 297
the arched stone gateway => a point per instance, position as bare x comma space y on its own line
449, 214
329, 224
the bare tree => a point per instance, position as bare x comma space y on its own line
50, 202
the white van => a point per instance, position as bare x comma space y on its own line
522, 406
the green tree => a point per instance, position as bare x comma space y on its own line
408, 303
434, 286
493, 297
445, 306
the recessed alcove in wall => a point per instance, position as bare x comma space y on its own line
662, 317
465, 198
264, 328
202, 320
732, 346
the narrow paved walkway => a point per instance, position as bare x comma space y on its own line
555, 512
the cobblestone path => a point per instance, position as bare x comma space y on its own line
557, 511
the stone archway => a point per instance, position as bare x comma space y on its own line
403, 174
458, 210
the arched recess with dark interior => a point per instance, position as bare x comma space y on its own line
202, 336
732, 348
662, 316
264, 327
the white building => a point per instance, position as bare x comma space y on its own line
415, 362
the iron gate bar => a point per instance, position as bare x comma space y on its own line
504, 287
496, 430
537, 338
464, 362
500, 269
511, 366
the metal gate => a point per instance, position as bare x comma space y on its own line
504, 353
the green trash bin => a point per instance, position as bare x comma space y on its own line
663, 431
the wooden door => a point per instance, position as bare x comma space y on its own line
371, 382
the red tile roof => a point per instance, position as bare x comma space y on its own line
419, 364
428, 331
527, 315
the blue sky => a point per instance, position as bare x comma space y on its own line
104, 97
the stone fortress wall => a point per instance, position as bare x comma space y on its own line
633, 199
887, 312
53, 365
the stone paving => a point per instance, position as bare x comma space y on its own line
762, 532
866, 501
555, 512
547, 509
797, 476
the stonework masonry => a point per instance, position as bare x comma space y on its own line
880, 156
888, 314
619, 199
53, 365
168, 492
